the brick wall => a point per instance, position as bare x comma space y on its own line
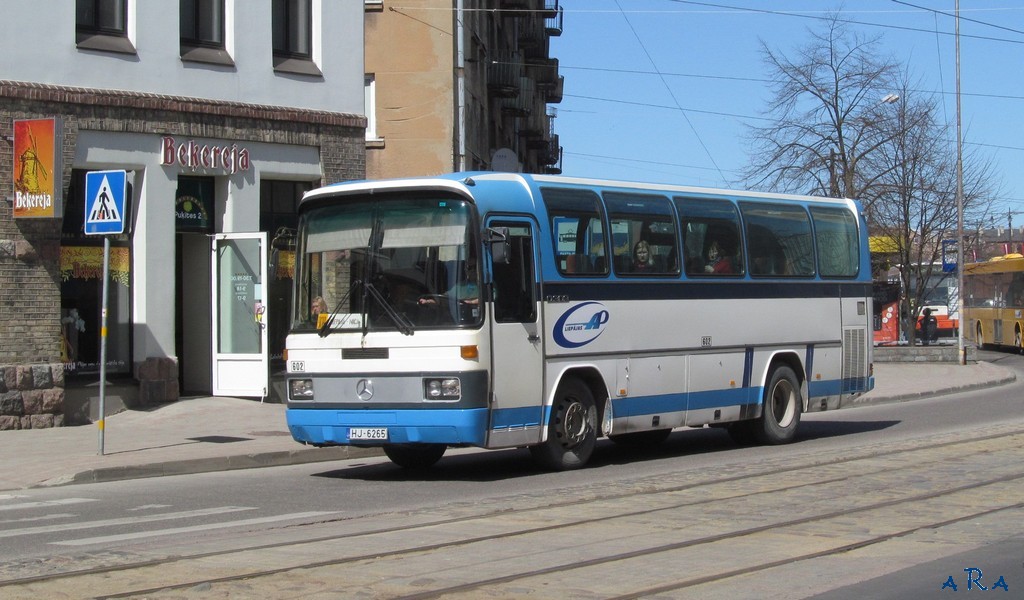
30, 248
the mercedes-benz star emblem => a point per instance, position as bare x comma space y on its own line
364, 389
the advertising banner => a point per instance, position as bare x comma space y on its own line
38, 169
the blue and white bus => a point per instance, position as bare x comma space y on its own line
502, 310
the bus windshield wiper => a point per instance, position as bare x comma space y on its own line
325, 329
403, 324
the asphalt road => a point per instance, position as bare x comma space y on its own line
51, 530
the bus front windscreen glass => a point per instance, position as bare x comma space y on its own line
387, 263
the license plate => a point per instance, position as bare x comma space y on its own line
368, 433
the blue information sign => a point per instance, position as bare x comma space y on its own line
104, 202
949, 256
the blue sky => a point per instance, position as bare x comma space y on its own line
661, 90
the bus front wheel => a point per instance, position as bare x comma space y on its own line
572, 429
781, 412
415, 456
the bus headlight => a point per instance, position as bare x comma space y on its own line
300, 389
442, 388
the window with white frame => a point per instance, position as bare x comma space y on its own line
293, 28
370, 105
293, 37
201, 24
103, 25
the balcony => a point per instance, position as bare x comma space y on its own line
535, 130
552, 18
553, 158
504, 74
514, 8
522, 104
553, 94
533, 38
544, 71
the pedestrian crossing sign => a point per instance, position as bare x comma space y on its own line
104, 202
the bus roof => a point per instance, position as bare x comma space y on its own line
999, 264
464, 182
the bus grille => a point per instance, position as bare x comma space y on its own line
854, 368
363, 353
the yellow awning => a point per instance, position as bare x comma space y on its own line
883, 244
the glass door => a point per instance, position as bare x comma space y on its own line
240, 356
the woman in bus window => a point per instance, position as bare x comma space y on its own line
642, 262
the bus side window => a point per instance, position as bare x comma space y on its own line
644, 234
780, 239
835, 230
711, 234
577, 226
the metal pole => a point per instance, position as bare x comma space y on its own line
103, 341
961, 348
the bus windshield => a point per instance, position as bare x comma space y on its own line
387, 263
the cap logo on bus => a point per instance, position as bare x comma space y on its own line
580, 325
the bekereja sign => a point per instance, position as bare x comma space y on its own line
38, 169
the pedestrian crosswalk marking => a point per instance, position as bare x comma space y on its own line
45, 503
124, 521
106, 539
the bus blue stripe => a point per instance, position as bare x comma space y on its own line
527, 416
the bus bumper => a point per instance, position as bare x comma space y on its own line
331, 427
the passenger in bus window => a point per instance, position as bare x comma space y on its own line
718, 261
642, 262
318, 306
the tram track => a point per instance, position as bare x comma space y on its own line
878, 465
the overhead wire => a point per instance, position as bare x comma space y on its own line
668, 88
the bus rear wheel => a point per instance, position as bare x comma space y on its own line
572, 429
415, 456
781, 412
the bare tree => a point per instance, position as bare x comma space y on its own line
846, 124
915, 205
824, 110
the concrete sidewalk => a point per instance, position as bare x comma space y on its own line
205, 434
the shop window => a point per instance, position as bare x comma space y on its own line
193, 205
279, 202
201, 25
103, 25
81, 272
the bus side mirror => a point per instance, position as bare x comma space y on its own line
501, 249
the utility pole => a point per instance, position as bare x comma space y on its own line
961, 348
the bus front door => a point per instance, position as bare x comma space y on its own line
517, 353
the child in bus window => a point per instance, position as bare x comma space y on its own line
718, 262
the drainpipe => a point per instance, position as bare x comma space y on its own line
460, 87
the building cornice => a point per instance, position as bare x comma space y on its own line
42, 92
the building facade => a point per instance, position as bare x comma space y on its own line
218, 124
470, 88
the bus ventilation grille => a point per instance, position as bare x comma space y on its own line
854, 357
363, 353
